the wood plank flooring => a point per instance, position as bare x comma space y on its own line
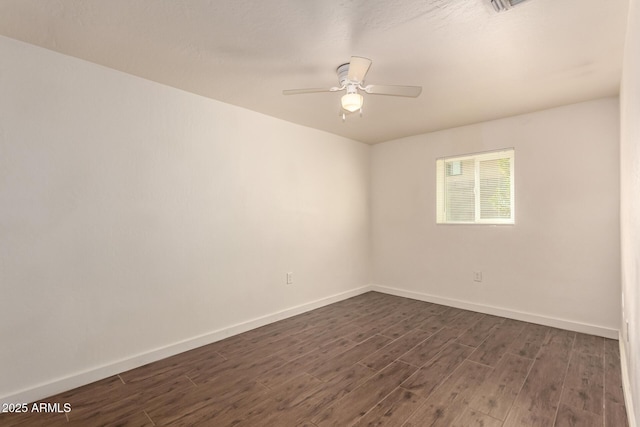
372, 360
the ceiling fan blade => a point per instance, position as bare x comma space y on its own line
408, 91
310, 90
358, 68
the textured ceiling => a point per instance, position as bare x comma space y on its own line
472, 63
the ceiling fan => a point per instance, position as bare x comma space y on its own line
351, 79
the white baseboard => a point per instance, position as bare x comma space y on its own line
41, 391
626, 382
503, 312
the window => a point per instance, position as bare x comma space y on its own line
476, 188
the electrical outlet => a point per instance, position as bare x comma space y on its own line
289, 278
477, 276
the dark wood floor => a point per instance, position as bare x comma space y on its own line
372, 360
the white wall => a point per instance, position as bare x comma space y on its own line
630, 208
559, 264
134, 216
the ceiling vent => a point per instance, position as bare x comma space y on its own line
502, 5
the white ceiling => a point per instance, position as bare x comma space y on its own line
472, 63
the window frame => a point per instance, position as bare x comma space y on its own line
441, 214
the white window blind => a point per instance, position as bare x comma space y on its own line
476, 188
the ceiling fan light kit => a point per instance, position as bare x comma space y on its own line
352, 102
351, 79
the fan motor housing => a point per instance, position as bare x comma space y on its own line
343, 73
